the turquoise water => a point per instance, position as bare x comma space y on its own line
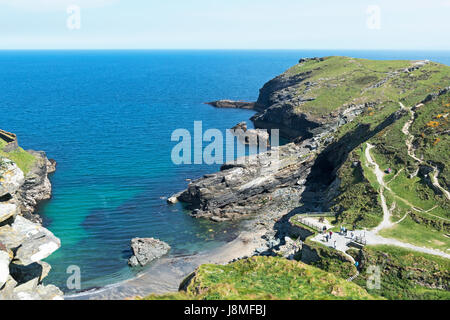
107, 118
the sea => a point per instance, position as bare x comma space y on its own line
107, 118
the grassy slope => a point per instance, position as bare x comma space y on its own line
23, 159
266, 278
431, 129
357, 189
358, 200
406, 274
339, 81
421, 228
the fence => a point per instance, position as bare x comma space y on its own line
310, 224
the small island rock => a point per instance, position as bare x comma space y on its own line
146, 250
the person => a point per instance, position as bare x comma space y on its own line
356, 264
331, 234
326, 237
335, 244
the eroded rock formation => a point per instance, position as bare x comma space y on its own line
23, 242
145, 250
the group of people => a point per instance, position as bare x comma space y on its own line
344, 231
328, 235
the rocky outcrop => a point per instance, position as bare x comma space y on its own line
230, 104
145, 250
11, 177
278, 103
252, 137
24, 243
309, 164
242, 189
37, 186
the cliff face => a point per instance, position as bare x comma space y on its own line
240, 190
36, 187
328, 107
346, 117
23, 241
320, 94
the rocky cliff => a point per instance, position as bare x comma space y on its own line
332, 109
23, 241
328, 107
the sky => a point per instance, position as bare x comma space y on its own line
225, 24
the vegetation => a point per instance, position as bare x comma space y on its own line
406, 274
23, 159
387, 90
357, 203
330, 260
266, 278
336, 81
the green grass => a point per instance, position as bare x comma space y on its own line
262, 278
426, 136
358, 203
405, 274
337, 81
418, 234
330, 260
23, 159
391, 152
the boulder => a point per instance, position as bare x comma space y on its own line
146, 250
250, 136
31, 290
240, 126
32, 241
8, 209
26, 291
6, 292
290, 248
5, 259
49, 292
11, 177
172, 200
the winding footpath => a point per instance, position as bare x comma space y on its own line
386, 223
341, 242
372, 237
411, 151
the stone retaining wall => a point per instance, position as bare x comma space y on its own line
10, 139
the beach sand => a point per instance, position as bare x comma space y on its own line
166, 274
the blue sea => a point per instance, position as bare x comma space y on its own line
107, 117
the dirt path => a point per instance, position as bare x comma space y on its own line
340, 242
435, 181
372, 236
386, 223
411, 152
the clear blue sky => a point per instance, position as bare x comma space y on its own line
225, 24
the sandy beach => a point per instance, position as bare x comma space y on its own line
166, 274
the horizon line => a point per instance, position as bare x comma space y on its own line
216, 49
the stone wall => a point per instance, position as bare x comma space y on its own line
10, 139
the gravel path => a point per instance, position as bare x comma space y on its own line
386, 223
341, 242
